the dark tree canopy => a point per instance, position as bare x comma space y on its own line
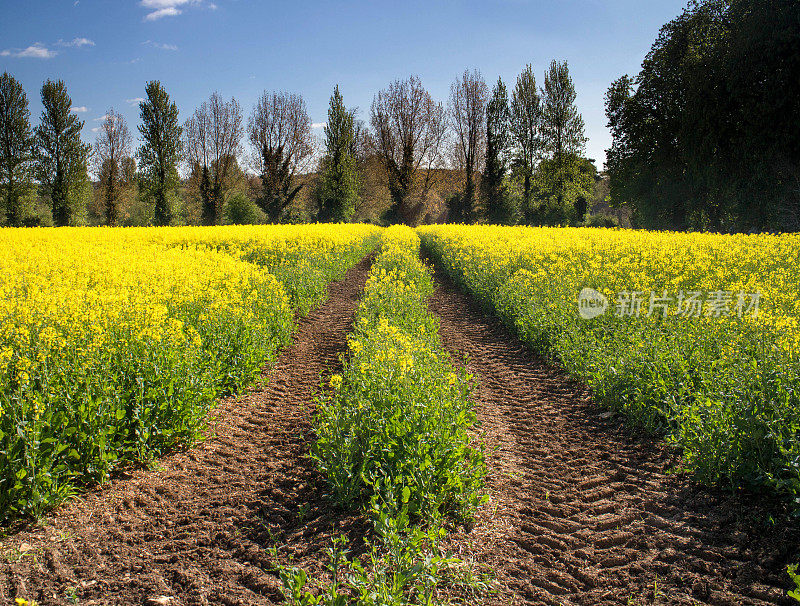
497, 206
706, 136
60, 155
338, 189
160, 151
16, 145
526, 130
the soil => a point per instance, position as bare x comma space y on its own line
586, 511
198, 528
583, 509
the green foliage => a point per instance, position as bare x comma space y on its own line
337, 193
561, 177
160, 150
397, 424
498, 205
61, 157
16, 167
723, 390
405, 567
561, 190
526, 127
792, 570
734, 165
241, 210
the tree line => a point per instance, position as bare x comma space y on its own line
707, 135
487, 155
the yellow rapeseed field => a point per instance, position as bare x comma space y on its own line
696, 335
115, 342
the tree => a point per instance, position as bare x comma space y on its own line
160, 150
497, 207
337, 194
563, 190
526, 125
280, 134
212, 137
61, 157
680, 162
408, 130
562, 131
112, 148
16, 141
468, 115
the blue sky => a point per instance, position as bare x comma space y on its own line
105, 50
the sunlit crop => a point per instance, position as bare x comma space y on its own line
723, 383
115, 342
396, 428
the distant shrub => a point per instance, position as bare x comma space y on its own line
241, 210
601, 221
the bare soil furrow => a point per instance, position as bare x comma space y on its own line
584, 510
197, 529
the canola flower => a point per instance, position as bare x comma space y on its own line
395, 427
115, 342
724, 388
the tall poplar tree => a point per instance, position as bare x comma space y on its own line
562, 131
526, 123
16, 141
497, 205
339, 184
160, 151
61, 155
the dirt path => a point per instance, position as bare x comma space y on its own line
585, 512
197, 530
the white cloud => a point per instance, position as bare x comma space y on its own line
318, 124
37, 50
80, 109
134, 101
101, 118
77, 42
160, 45
162, 12
96, 129
164, 8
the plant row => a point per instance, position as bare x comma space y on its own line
393, 437
114, 344
720, 378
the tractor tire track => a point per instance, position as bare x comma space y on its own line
583, 510
197, 529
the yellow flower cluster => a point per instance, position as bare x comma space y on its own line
721, 383
559, 262
100, 323
397, 421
